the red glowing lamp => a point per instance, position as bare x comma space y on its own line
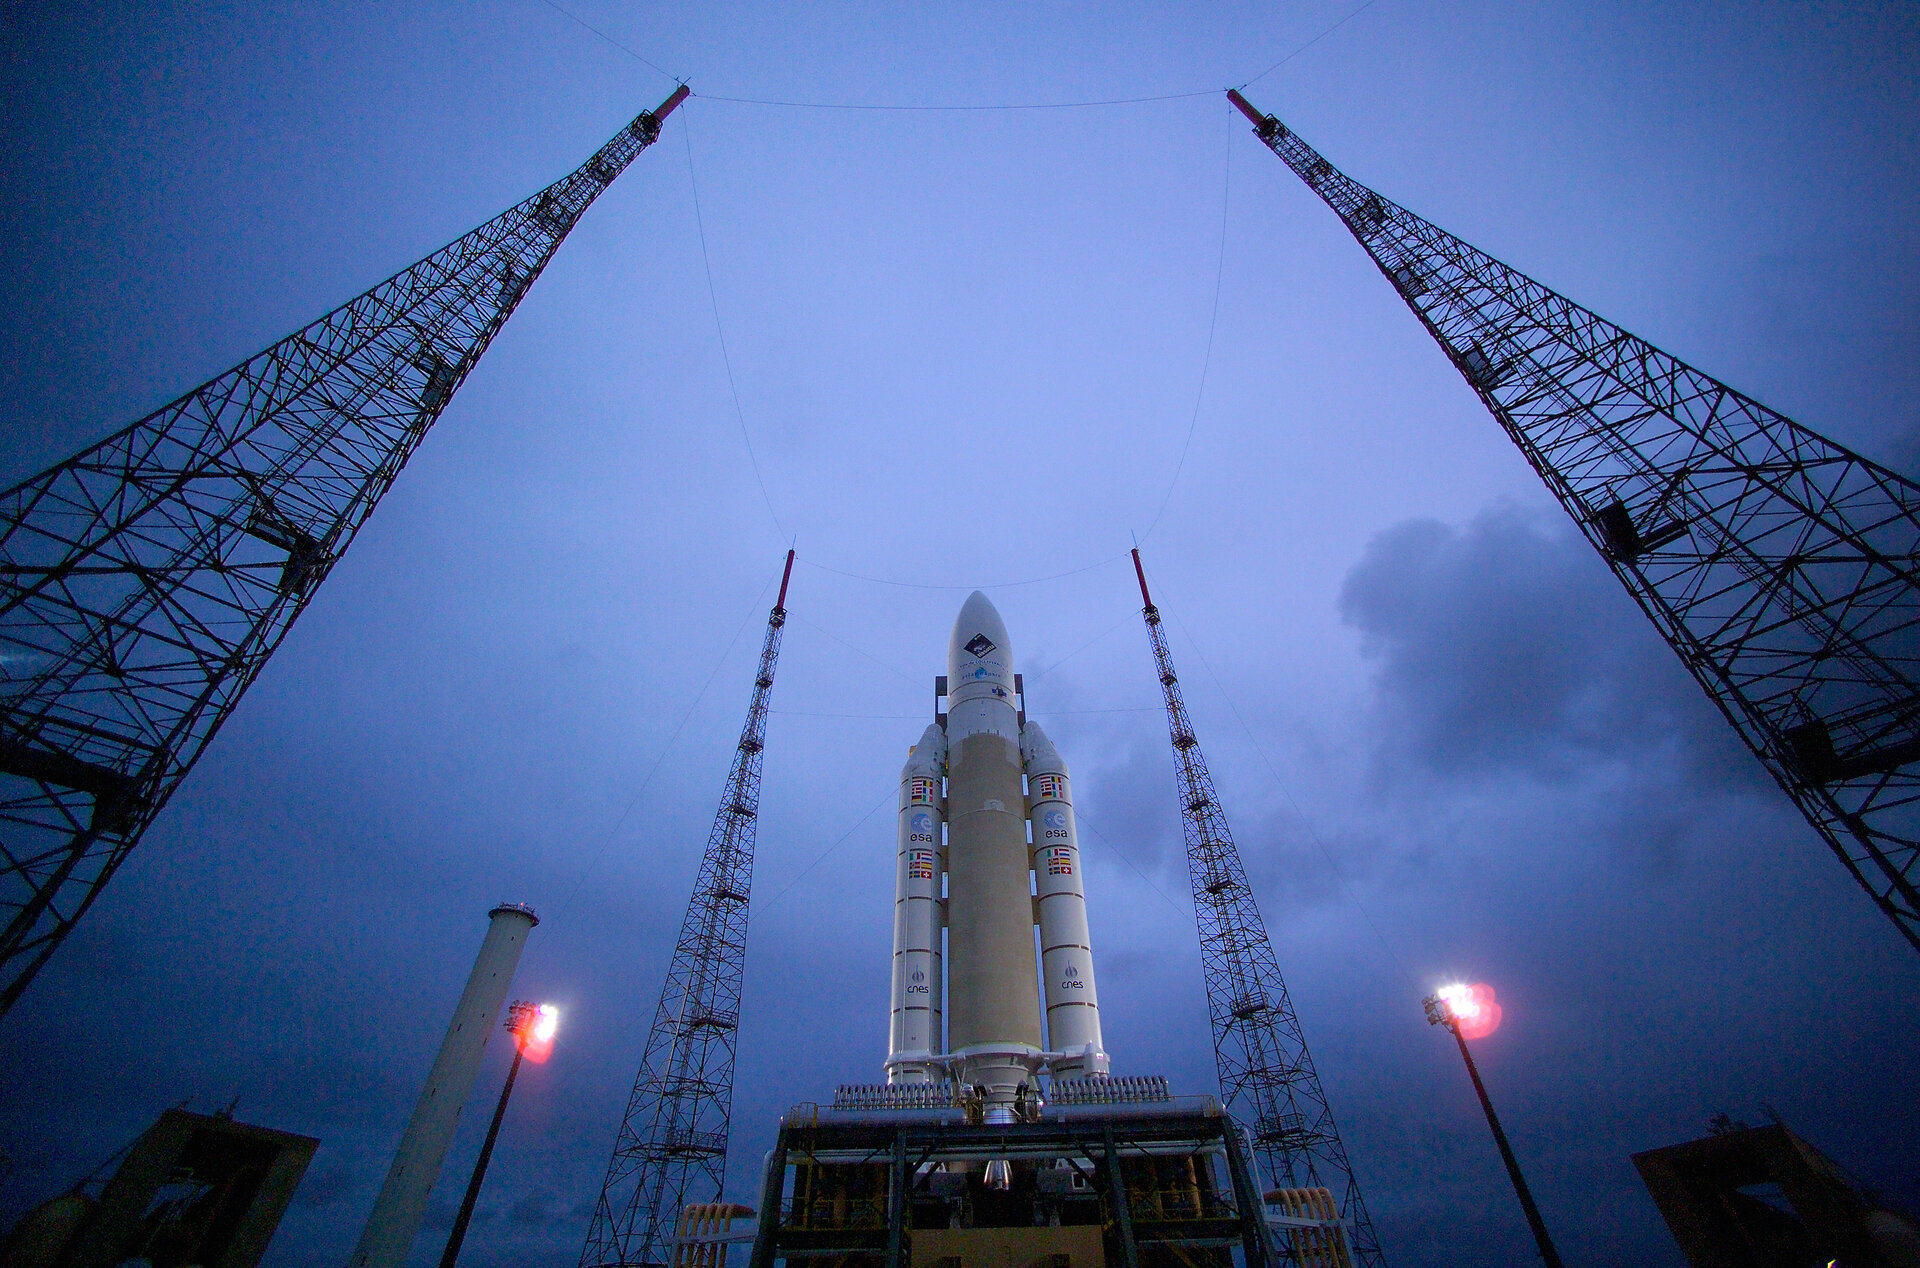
1471, 1010
533, 1029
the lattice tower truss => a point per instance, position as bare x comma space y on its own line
144, 582
1267, 1077
672, 1146
1782, 568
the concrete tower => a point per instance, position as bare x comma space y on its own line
388, 1236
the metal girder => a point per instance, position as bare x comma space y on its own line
672, 1144
144, 582
1267, 1076
1782, 568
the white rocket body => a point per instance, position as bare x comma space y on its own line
1011, 863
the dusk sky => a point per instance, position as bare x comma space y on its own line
968, 347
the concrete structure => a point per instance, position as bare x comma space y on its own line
194, 1189
1010, 861
396, 1216
1754, 1197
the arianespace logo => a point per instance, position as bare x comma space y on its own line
979, 645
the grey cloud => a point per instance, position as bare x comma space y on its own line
1504, 647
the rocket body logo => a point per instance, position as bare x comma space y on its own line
1056, 818
979, 645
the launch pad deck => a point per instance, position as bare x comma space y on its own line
1133, 1186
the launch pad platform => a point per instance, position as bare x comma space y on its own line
1160, 1183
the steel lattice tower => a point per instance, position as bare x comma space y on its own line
672, 1145
1267, 1078
1783, 569
144, 582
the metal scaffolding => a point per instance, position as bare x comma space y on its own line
1782, 568
1267, 1077
672, 1146
144, 582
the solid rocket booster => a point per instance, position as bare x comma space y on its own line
1011, 863
917, 917
1060, 901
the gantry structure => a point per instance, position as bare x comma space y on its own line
672, 1146
1267, 1076
1782, 568
145, 581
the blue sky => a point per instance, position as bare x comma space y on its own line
968, 349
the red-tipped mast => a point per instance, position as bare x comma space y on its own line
665, 108
1246, 107
780, 603
1141, 573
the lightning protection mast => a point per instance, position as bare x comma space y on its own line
673, 1139
1267, 1078
1783, 569
144, 582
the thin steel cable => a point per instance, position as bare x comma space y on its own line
802, 873
898, 673
574, 17
992, 585
1213, 324
916, 717
686, 135
1310, 43
1080, 816
1083, 647
1034, 105
1287, 792
665, 749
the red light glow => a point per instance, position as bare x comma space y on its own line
1473, 1009
536, 1043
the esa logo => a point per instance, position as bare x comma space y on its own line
1056, 821
922, 829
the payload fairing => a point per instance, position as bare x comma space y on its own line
989, 855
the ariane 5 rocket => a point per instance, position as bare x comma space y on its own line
988, 854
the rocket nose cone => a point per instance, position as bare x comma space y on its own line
979, 633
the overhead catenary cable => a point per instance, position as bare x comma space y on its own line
578, 20
822, 856
1023, 105
1213, 324
896, 672
920, 717
1080, 815
725, 358
1301, 814
991, 585
665, 749
1310, 43
1083, 647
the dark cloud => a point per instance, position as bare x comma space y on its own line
1505, 647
